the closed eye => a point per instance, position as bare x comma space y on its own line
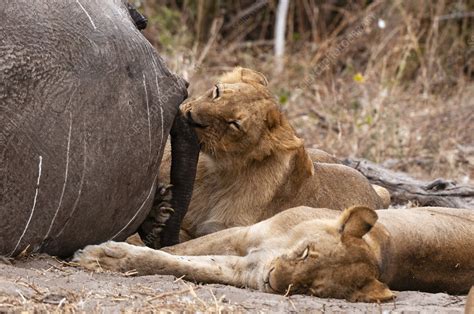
305, 254
216, 93
234, 124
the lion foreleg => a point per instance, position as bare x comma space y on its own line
123, 257
231, 241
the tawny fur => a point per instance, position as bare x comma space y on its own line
469, 309
359, 254
253, 165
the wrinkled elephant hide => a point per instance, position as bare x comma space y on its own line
86, 106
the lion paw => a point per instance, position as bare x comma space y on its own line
114, 256
160, 212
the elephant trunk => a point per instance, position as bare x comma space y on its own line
184, 158
157, 230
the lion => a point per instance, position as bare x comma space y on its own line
469, 308
358, 255
253, 165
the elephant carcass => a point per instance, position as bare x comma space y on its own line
86, 106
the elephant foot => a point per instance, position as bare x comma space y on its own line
113, 256
160, 212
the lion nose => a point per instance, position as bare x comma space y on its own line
185, 107
193, 122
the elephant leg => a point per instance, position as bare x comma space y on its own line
123, 257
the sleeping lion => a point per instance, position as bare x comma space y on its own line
252, 164
358, 255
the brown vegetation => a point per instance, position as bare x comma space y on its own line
388, 81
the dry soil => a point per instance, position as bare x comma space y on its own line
43, 283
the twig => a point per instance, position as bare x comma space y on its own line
64, 263
216, 25
29, 285
179, 278
292, 305
98, 264
193, 293
244, 14
167, 294
54, 266
218, 310
456, 15
130, 273
24, 300
23, 253
61, 303
6, 305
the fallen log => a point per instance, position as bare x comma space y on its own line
404, 189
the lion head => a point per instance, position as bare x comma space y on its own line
334, 261
239, 119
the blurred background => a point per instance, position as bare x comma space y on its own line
390, 81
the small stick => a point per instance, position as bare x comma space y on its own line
167, 294
288, 290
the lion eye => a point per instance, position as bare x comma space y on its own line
305, 253
234, 124
216, 93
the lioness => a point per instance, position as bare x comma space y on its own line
252, 164
311, 251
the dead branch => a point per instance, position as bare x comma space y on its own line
403, 188
245, 14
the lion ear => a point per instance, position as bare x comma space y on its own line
245, 75
356, 221
273, 119
282, 134
372, 291
253, 76
304, 167
283, 137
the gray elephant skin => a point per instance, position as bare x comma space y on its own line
86, 106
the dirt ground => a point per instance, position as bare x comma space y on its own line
43, 283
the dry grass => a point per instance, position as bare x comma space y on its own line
389, 81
